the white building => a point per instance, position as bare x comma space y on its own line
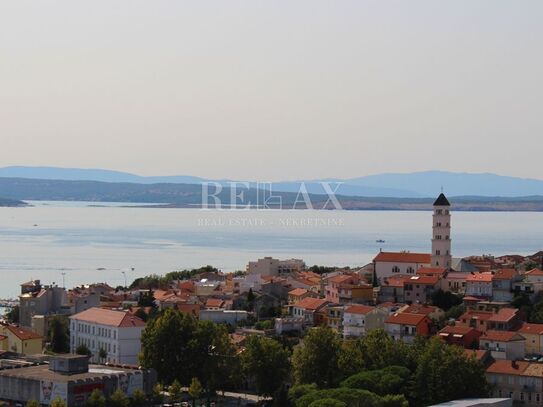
116, 333
269, 266
358, 320
389, 264
479, 284
441, 233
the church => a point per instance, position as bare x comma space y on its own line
389, 264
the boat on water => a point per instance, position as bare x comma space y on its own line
379, 241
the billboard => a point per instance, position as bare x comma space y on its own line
49, 391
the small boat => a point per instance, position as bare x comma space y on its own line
100, 268
379, 241
35, 224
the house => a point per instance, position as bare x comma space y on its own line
269, 266
312, 310
388, 264
113, 334
533, 334
334, 317
214, 303
36, 299
432, 271
531, 283
506, 319
20, 340
459, 335
392, 289
299, 294
405, 327
475, 319
348, 288
479, 284
289, 324
502, 284
503, 344
358, 320
423, 309
419, 289
455, 282
519, 380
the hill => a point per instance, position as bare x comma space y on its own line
392, 185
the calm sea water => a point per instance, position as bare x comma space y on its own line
98, 244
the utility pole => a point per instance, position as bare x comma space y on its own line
63, 281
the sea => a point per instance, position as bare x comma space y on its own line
74, 243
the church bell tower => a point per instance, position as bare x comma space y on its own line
441, 233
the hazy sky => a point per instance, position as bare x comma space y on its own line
271, 90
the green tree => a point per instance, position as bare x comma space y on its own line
138, 399
157, 396
58, 402
102, 354
12, 316
32, 403
446, 373
175, 392
118, 399
316, 359
96, 399
83, 350
266, 361
195, 390
445, 299
328, 402
59, 334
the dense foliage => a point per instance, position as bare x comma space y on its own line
59, 333
154, 281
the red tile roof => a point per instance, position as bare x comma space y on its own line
534, 272
504, 315
481, 315
505, 274
457, 330
23, 334
109, 317
508, 367
359, 309
298, 292
311, 304
404, 257
424, 280
342, 278
534, 329
479, 277
420, 309
502, 336
405, 319
434, 271
479, 353
214, 303
395, 281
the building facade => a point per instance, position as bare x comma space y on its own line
113, 334
441, 233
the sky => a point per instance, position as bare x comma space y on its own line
273, 90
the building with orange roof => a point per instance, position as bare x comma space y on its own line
432, 271
502, 284
503, 344
475, 319
455, 282
312, 310
459, 335
506, 319
118, 333
405, 327
358, 320
479, 284
391, 289
20, 340
388, 264
533, 334
419, 288
214, 303
299, 294
424, 309
348, 288
519, 380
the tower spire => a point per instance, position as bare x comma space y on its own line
441, 232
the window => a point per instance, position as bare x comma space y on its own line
438, 252
410, 270
395, 269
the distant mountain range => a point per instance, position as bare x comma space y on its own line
409, 185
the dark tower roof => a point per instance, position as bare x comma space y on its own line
442, 200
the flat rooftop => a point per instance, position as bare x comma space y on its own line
42, 372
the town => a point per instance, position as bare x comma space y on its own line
406, 329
